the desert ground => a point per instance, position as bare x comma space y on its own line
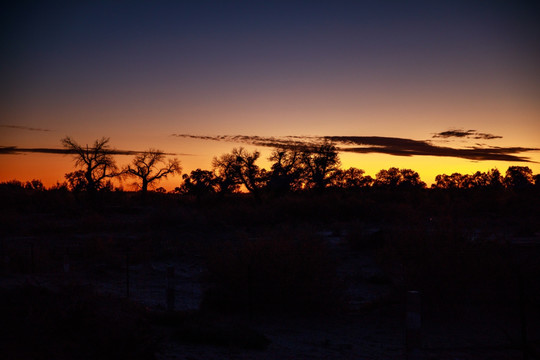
321, 277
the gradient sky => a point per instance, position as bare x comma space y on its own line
141, 72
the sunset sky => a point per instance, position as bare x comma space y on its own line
436, 86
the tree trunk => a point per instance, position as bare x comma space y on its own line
144, 187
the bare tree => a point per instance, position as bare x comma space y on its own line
95, 161
151, 166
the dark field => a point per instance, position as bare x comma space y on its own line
301, 276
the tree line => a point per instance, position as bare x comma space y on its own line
294, 169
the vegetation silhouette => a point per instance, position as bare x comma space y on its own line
398, 178
150, 167
97, 164
519, 177
319, 165
351, 179
201, 183
286, 171
293, 169
239, 168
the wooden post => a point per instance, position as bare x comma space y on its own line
170, 288
414, 325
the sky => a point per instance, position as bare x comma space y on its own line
435, 86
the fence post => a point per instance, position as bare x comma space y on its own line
170, 288
414, 325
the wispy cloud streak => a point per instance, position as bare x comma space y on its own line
14, 150
378, 144
469, 134
19, 127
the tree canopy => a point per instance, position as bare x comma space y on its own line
96, 162
150, 167
292, 169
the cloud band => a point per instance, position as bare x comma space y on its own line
378, 144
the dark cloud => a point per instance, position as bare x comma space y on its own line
23, 128
469, 134
407, 147
379, 144
13, 150
289, 142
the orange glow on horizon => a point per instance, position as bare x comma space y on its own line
50, 168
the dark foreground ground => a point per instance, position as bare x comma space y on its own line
320, 277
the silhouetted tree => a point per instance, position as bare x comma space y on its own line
479, 179
286, 171
495, 179
319, 164
351, 178
59, 186
226, 177
444, 181
97, 162
35, 185
467, 182
491, 179
199, 183
394, 177
150, 167
411, 178
518, 177
388, 178
10, 185
239, 168
76, 181
247, 171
